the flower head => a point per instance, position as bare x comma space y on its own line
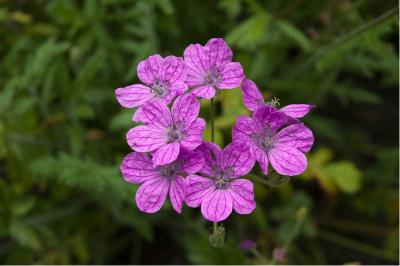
209, 68
253, 99
219, 189
270, 141
247, 244
279, 254
165, 131
159, 181
163, 79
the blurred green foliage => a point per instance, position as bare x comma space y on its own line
62, 198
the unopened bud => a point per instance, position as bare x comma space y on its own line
301, 213
217, 239
247, 244
279, 254
276, 179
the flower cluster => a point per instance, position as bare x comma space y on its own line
170, 156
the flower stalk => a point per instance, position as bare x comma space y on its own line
217, 238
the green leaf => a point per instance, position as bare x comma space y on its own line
345, 175
24, 235
296, 35
84, 111
231, 7
122, 120
250, 33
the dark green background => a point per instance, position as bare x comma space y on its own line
62, 133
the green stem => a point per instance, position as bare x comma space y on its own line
355, 245
258, 255
292, 234
343, 39
259, 179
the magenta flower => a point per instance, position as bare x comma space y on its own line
253, 99
163, 78
157, 182
270, 141
210, 67
219, 189
167, 131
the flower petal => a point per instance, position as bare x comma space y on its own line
217, 206
213, 157
149, 70
185, 109
287, 161
236, 157
173, 70
261, 156
133, 95
146, 138
197, 188
252, 97
219, 53
296, 136
297, 110
232, 76
192, 161
178, 87
193, 134
137, 116
196, 64
267, 117
206, 91
244, 128
243, 196
177, 192
137, 168
157, 113
152, 194
166, 154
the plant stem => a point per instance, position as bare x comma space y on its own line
259, 179
292, 234
212, 116
258, 255
356, 245
344, 38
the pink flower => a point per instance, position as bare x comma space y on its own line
253, 99
210, 67
270, 141
220, 190
163, 78
167, 131
157, 182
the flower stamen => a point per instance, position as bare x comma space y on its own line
159, 89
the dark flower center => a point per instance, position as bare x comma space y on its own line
222, 177
222, 183
171, 170
264, 139
213, 76
174, 134
159, 89
266, 143
167, 170
274, 102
